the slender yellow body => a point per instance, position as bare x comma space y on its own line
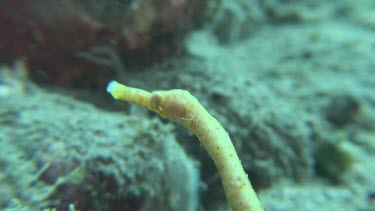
183, 108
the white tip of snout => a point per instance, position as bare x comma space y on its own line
112, 86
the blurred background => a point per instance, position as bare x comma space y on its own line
291, 81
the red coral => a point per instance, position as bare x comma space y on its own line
51, 34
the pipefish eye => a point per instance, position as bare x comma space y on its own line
155, 102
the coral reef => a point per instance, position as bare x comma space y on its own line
235, 20
89, 158
66, 41
291, 81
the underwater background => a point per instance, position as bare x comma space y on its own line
292, 81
